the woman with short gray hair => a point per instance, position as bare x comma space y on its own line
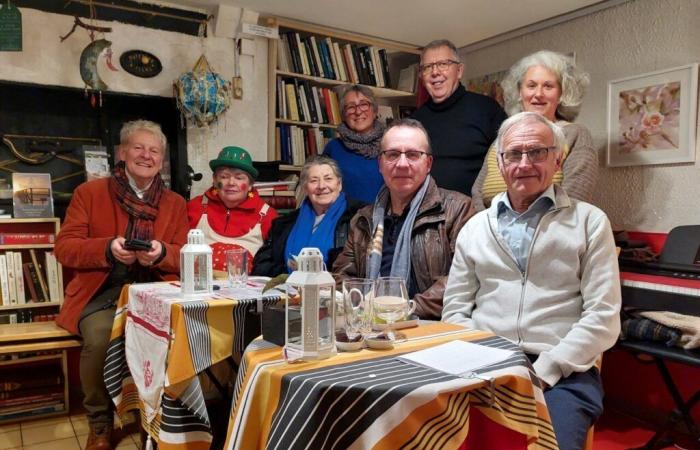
357, 146
550, 84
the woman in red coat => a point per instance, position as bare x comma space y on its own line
231, 214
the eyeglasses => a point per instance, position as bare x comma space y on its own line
535, 155
360, 107
393, 156
442, 66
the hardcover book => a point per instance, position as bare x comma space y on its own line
32, 196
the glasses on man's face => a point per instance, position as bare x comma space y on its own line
535, 155
442, 66
360, 107
393, 156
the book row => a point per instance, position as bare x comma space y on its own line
26, 238
295, 144
299, 100
31, 390
322, 57
27, 277
25, 316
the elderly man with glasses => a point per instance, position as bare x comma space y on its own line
461, 124
540, 268
411, 228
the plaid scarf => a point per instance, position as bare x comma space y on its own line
142, 212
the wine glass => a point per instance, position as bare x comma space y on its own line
391, 303
357, 305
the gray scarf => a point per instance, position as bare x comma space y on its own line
364, 144
401, 263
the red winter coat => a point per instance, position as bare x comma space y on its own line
93, 219
234, 222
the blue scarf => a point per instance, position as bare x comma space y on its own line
323, 238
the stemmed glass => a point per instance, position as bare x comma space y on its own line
391, 303
357, 303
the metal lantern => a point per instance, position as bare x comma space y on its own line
310, 309
195, 266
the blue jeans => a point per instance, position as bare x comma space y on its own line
574, 404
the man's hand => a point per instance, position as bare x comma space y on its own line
147, 258
121, 254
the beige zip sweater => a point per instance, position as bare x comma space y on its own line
565, 306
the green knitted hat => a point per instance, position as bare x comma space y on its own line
234, 157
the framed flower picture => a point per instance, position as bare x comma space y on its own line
652, 117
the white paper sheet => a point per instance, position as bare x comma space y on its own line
458, 358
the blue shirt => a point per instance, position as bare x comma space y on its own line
516, 229
361, 177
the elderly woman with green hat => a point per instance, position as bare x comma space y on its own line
231, 214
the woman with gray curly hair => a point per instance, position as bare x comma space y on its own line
550, 84
357, 146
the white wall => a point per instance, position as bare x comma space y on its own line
45, 60
634, 38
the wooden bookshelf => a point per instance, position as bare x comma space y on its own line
37, 343
398, 55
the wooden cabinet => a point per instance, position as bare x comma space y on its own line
33, 349
306, 63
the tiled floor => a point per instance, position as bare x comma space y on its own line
62, 433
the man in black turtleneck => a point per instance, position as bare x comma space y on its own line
461, 124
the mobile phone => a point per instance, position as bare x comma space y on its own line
137, 244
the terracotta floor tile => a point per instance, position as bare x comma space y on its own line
10, 439
70, 443
47, 433
43, 422
80, 425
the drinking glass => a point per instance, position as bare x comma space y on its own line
237, 267
391, 303
357, 305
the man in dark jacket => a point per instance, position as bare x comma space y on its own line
411, 229
461, 124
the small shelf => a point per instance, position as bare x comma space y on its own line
290, 168
25, 246
380, 92
29, 305
29, 359
55, 220
306, 124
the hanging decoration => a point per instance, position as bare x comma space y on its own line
91, 54
202, 95
10, 28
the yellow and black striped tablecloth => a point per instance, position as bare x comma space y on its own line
372, 400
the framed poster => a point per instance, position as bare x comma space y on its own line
652, 117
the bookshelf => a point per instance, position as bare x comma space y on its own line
33, 349
305, 64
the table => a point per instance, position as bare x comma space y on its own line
371, 399
160, 343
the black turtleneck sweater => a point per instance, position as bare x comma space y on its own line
461, 130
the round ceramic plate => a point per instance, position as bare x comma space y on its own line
349, 346
379, 344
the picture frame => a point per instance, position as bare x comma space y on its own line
652, 117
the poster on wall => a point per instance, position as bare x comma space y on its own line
489, 85
652, 117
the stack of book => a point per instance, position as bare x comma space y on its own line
322, 57
298, 100
295, 144
278, 194
26, 276
30, 390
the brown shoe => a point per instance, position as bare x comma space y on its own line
99, 437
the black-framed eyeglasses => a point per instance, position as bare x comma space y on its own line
534, 155
393, 156
442, 66
360, 107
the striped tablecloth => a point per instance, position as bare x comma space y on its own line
372, 400
160, 343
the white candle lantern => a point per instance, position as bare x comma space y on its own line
310, 309
195, 266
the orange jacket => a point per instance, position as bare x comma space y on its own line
93, 219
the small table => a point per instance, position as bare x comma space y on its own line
371, 399
160, 343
